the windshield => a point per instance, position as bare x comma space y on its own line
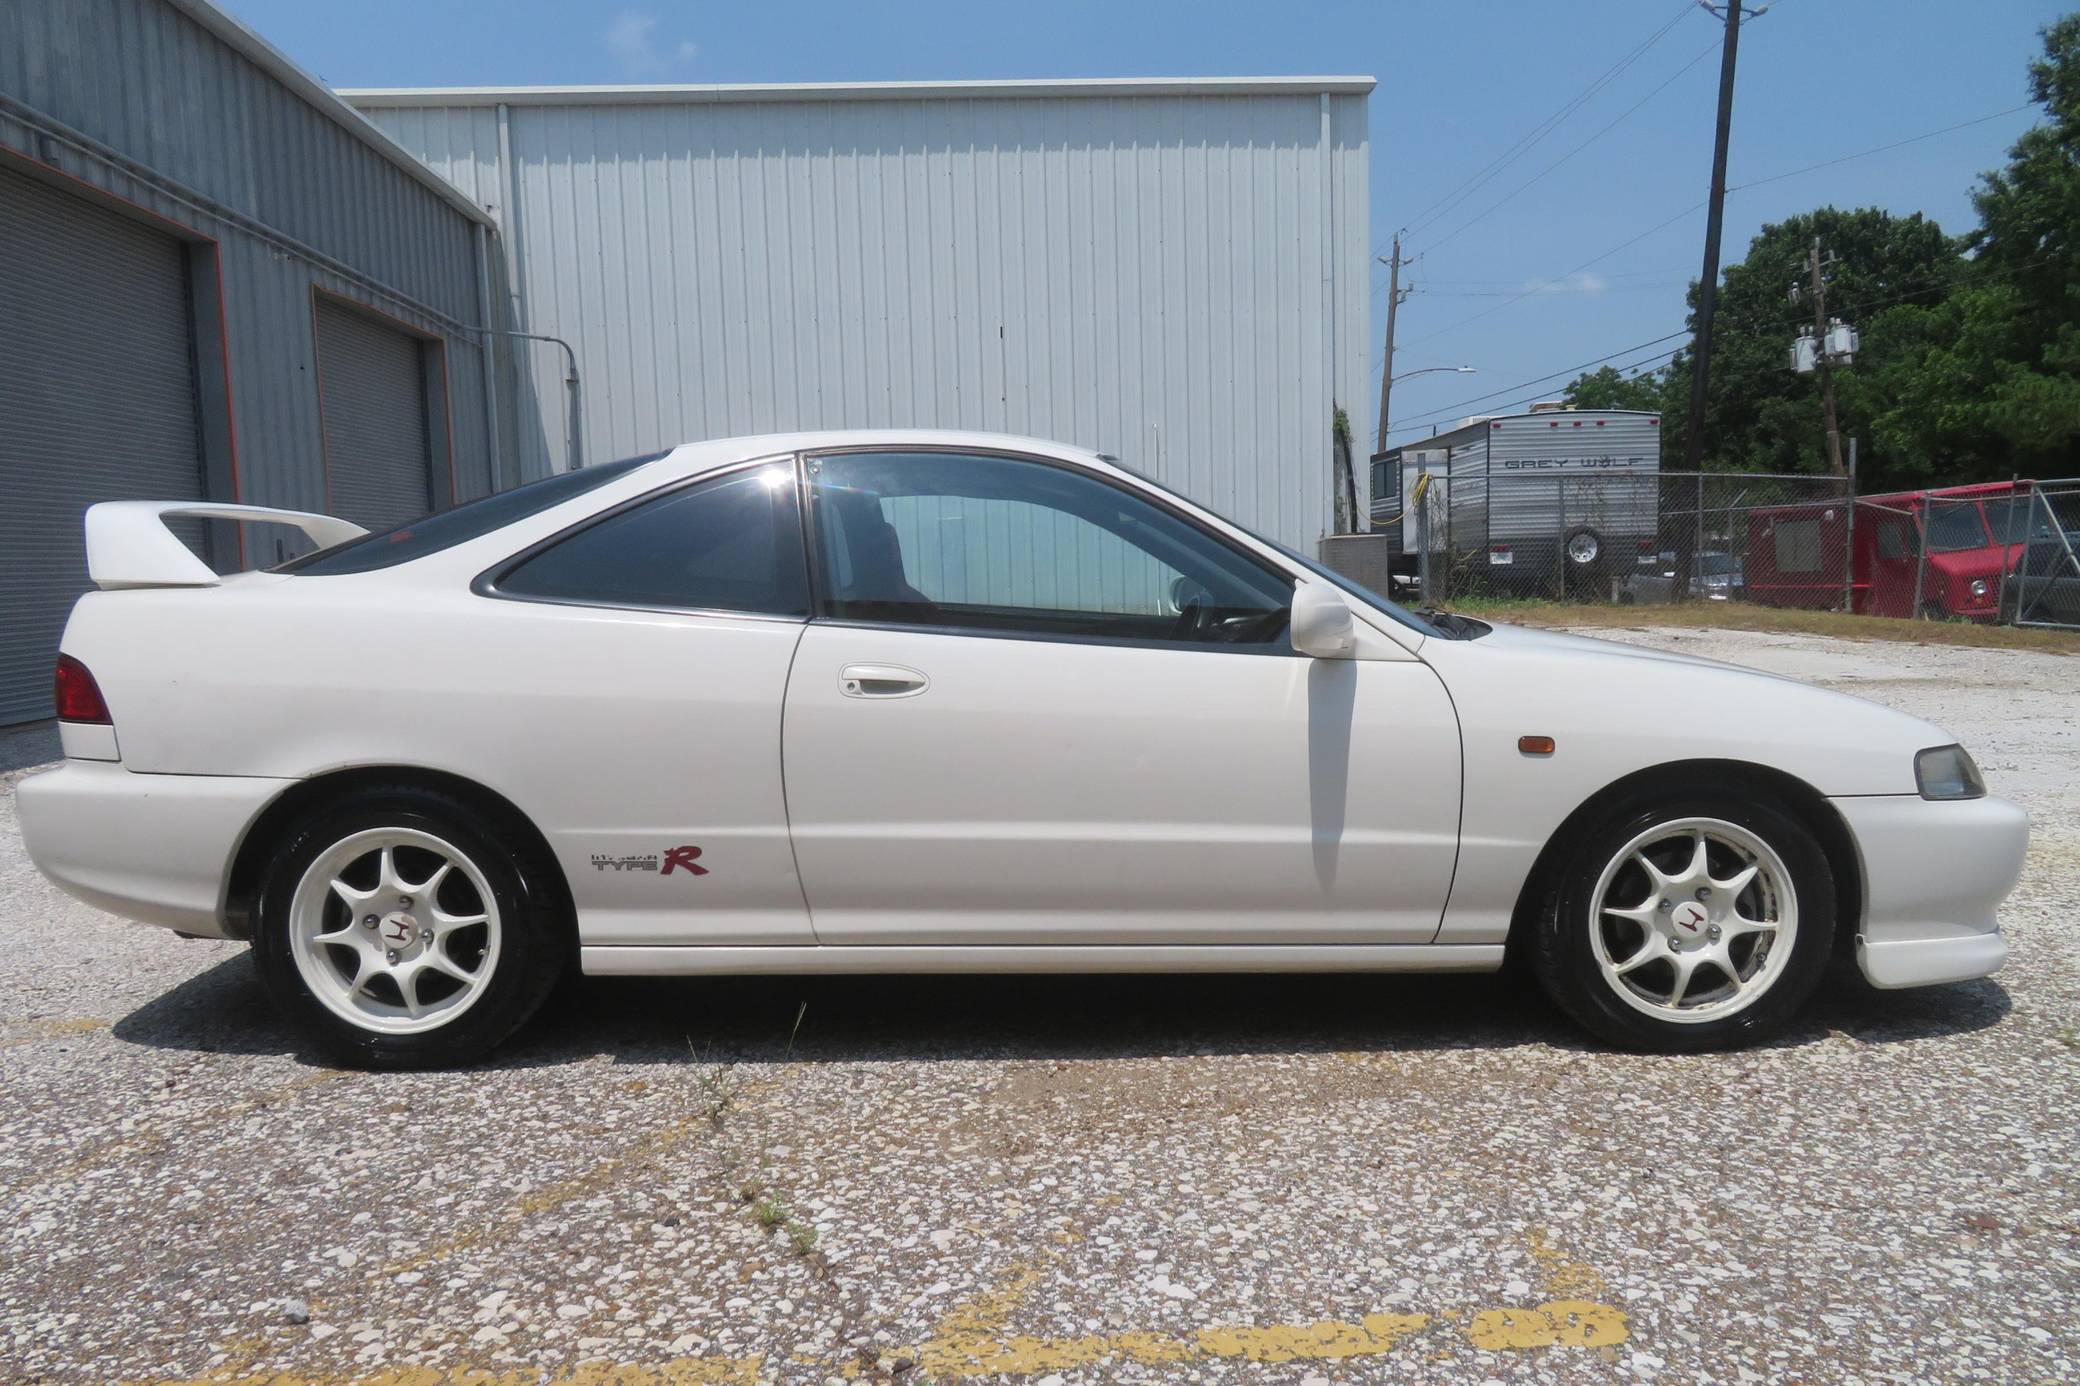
1714, 564
1364, 594
447, 528
1954, 526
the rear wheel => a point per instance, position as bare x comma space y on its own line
1700, 923
398, 931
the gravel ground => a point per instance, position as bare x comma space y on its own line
1286, 1180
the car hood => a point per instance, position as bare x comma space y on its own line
1531, 640
1628, 707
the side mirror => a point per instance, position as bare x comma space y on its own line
1321, 624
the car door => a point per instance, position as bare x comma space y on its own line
1038, 707
655, 641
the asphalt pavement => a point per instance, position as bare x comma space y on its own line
1203, 1179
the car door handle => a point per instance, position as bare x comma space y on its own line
881, 681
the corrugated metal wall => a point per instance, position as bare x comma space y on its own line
144, 101
1177, 279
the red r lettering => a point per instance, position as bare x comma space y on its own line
683, 856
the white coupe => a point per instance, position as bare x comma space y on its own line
918, 702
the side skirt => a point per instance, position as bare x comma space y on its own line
645, 960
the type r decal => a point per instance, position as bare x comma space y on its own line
684, 858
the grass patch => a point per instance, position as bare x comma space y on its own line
1735, 616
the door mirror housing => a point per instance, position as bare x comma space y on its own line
1322, 624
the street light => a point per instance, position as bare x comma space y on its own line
1456, 370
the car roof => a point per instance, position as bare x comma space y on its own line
697, 456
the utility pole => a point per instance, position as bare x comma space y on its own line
1715, 216
1814, 268
1395, 293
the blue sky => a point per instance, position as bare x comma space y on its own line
1460, 84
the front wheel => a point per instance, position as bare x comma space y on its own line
398, 932
1702, 923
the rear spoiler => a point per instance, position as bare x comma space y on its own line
129, 545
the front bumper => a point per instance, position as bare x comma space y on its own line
154, 848
1934, 875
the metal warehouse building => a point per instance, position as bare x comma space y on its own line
1173, 271
216, 281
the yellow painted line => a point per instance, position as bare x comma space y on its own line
683, 1371
1565, 1277
969, 1340
145, 1141
1556, 1323
555, 1195
23, 1032
545, 1199
1327, 1340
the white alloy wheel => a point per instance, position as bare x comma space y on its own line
1693, 920
1583, 547
394, 930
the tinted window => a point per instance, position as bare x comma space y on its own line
731, 544
1953, 526
432, 533
992, 543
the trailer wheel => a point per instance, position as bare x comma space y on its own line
1587, 558
1584, 549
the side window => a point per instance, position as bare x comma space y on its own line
1798, 546
1000, 544
731, 544
1893, 543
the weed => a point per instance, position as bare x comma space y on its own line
717, 1084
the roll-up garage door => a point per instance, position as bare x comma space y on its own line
97, 402
378, 450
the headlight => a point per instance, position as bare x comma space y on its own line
1947, 772
1981, 589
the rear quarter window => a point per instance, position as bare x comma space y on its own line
446, 528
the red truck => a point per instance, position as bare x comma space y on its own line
1796, 552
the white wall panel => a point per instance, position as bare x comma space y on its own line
1173, 273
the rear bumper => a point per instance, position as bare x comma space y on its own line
154, 848
1935, 873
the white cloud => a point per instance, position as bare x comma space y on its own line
632, 40
1580, 282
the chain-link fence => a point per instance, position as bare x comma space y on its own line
1997, 552
1621, 537
2044, 588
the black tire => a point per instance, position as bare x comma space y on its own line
1585, 579
1563, 956
535, 948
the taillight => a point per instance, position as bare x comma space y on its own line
79, 697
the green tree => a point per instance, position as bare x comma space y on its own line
1970, 367
1760, 415
1606, 388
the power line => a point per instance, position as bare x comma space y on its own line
1741, 187
1964, 277
1537, 395
1534, 397
1547, 284
1457, 405
1507, 197
1881, 149
1641, 286
1528, 141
